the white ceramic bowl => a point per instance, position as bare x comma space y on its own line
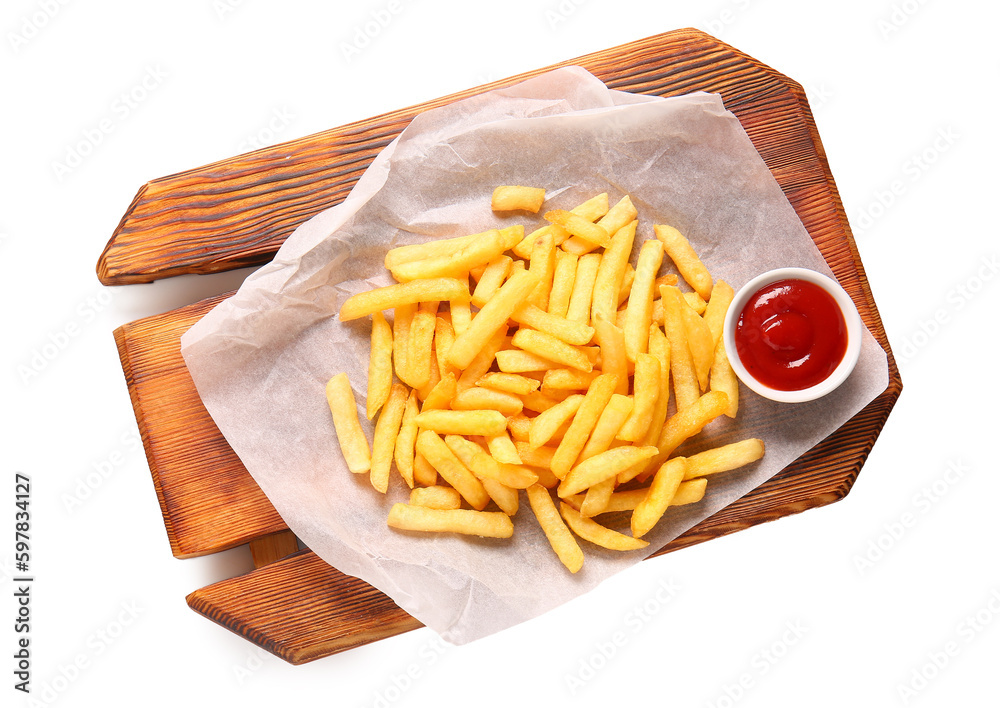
851, 318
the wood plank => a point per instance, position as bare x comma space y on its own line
236, 212
208, 500
273, 547
301, 609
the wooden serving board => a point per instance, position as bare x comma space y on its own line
237, 212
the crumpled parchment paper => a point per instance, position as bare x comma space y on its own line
260, 359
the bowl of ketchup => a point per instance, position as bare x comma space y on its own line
792, 335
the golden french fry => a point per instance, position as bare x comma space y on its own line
544, 425
392, 296
513, 476
639, 314
560, 538
509, 383
444, 335
596, 499
686, 388
690, 421
480, 364
620, 214
581, 299
491, 280
657, 316
461, 316
451, 469
440, 396
567, 380
546, 478
625, 289
477, 398
689, 492
603, 466
684, 257
491, 318
661, 492
568, 331
386, 432
503, 450
613, 358
646, 392
538, 402
488, 247
379, 365
612, 417
517, 361
436, 497
505, 497
404, 449
718, 305
724, 458
563, 278
430, 249
594, 208
540, 456
667, 279
546, 346
542, 265
486, 468
402, 320
660, 348
517, 198
596, 399
700, 345
481, 422
579, 226
463, 448
419, 353
490, 524
424, 474
610, 273
723, 378
695, 302
344, 409
524, 248
435, 378
590, 530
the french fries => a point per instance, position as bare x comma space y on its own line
514, 198
686, 259
379, 365
552, 376
555, 530
392, 296
490, 318
490, 524
386, 433
436, 497
590, 530
353, 444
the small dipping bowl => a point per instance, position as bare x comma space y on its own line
852, 320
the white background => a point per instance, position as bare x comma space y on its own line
889, 597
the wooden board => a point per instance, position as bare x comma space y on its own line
238, 211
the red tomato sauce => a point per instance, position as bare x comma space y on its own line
791, 335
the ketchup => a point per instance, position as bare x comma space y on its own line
791, 335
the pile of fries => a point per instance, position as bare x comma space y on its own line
552, 375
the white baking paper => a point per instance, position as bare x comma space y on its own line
260, 359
